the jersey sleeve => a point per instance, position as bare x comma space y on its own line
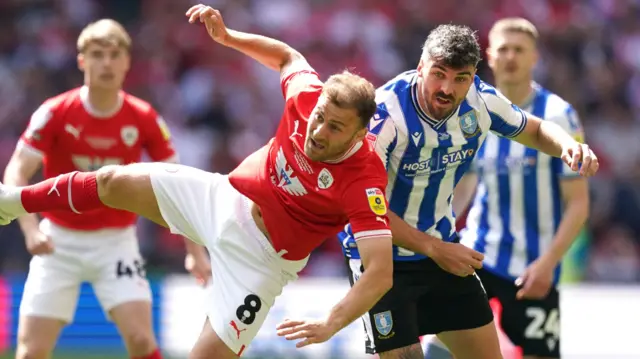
507, 119
366, 207
40, 134
570, 122
300, 87
382, 134
158, 142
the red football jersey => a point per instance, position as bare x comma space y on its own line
304, 202
70, 136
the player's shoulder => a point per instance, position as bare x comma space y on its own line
367, 165
392, 96
556, 108
482, 95
62, 100
396, 87
138, 105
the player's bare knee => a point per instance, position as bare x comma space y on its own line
31, 351
109, 179
140, 343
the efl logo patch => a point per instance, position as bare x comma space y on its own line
164, 129
376, 201
579, 137
384, 322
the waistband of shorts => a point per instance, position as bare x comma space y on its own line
101, 235
252, 228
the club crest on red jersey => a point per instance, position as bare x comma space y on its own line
325, 179
129, 135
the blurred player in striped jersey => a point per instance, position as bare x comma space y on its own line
428, 127
528, 207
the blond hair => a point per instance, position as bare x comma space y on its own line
515, 24
104, 31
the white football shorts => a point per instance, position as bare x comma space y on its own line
247, 273
109, 259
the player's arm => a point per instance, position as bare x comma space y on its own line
22, 166
546, 136
37, 139
575, 195
367, 210
574, 190
272, 53
377, 259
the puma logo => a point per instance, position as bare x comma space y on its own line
54, 188
295, 133
73, 131
235, 327
380, 219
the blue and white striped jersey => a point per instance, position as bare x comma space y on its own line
518, 205
425, 158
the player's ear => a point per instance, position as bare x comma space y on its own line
80, 59
360, 134
490, 58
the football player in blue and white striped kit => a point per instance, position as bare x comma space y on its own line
429, 125
528, 206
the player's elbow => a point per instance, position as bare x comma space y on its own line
290, 59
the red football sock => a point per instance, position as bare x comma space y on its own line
75, 191
155, 355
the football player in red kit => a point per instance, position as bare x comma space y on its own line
85, 129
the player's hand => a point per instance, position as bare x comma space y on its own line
38, 243
580, 158
536, 280
456, 258
311, 331
212, 21
199, 266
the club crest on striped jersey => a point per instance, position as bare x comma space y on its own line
469, 124
376, 201
325, 179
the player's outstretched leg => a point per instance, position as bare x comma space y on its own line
121, 187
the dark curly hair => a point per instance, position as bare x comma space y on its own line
454, 46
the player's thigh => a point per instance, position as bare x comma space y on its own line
453, 303
390, 325
37, 336
533, 325
179, 197
458, 311
121, 278
129, 188
209, 345
476, 343
52, 286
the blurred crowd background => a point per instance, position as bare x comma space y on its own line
221, 105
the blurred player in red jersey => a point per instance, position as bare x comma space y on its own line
82, 130
261, 222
